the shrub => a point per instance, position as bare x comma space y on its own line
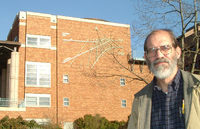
19, 123
98, 122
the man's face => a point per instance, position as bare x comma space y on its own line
162, 65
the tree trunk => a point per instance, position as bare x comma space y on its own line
197, 39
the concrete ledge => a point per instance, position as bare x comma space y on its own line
12, 109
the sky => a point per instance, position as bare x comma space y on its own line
118, 11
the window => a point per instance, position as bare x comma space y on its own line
193, 49
40, 121
65, 101
196, 65
38, 74
38, 40
65, 78
187, 68
38, 100
123, 103
122, 81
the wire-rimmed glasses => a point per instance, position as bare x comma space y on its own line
164, 49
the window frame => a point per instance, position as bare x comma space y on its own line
66, 78
123, 102
66, 101
38, 74
37, 96
122, 80
38, 43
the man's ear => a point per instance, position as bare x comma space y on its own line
178, 52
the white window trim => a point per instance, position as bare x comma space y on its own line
64, 78
39, 121
122, 103
65, 101
38, 36
122, 82
37, 96
37, 63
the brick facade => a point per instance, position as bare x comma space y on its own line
94, 86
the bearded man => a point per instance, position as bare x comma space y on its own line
172, 99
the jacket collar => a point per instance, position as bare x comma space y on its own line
190, 82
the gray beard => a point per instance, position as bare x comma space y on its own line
163, 71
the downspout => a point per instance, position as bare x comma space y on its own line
57, 70
25, 57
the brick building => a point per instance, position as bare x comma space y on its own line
60, 68
190, 48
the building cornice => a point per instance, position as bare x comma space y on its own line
55, 17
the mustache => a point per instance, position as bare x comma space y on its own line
160, 60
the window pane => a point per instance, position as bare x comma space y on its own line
44, 66
123, 103
66, 99
31, 82
122, 81
32, 70
44, 75
65, 76
44, 81
32, 41
31, 98
31, 74
65, 79
44, 42
31, 101
44, 101
38, 74
31, 66
66, 103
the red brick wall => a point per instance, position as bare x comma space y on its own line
90, 95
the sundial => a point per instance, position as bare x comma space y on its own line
95, 48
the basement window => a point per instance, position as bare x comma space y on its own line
38, 41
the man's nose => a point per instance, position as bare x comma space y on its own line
159, 54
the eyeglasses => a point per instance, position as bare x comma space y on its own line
164, 49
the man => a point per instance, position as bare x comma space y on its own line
172, 99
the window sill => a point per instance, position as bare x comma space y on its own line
32, 46
12, 109
38, 106
38, 86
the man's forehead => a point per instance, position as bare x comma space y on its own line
158, 35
